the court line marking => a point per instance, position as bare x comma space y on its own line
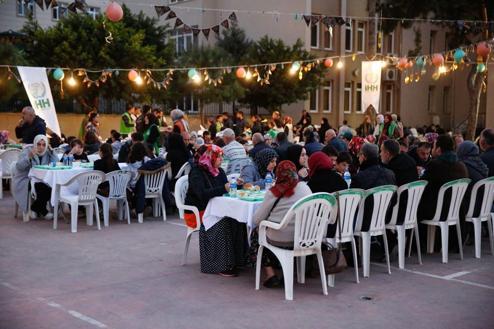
457, 274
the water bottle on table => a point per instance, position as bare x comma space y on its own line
233, 188
268, 181
71, 160
347, 177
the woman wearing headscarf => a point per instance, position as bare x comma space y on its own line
179, 123
277, 201
224, 245
255, 173
469, 154
37, 154
151, 132
390, 129
298, 156
322, 177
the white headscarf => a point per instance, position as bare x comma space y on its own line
37, 139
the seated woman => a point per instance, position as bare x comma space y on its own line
223, 246
177, 153
91, 143
255, 173
106, 164
77, 151
277, 202
37, 154
137, 156
298, 155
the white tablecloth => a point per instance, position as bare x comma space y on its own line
219, 207
52, 177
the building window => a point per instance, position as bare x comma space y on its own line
360, 37
446, 102
327, 38
431, 108
25, 8
327, 97
348, 36
390, 43
93, 12
189, 104
388, 98
358, 98
347, 98
313, 100
59, 11
314, 35
184, 41
432, 42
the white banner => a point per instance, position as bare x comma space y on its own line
38, 89
371, 84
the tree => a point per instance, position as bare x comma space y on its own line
9, 86
478, 10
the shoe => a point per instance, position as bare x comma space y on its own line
229, 273
273, 282
48, 216
33, 215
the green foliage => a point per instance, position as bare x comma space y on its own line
8, 84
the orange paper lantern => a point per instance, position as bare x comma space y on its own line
328, 62
437, 60
114, 12
133, 75
483, 49
402, 63
240, 73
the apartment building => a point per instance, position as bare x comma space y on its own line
442, 101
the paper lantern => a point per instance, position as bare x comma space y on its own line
402, 63
481, 68
458, 55
437, 60
295, 66
133, 75
114, 12
240, 73
328, 62
483, 49
192, 73
58, 74
420, 63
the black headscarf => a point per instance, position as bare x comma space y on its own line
263, 158
293, 154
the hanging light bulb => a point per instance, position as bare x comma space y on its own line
196, 78
294, 68
340, 65
248, 75
71, 81
442, 69
138, 80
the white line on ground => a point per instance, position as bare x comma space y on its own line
73, 313
456, 275
445, 278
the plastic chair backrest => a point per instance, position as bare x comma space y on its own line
487, 199
118, 179
311, 215
8, 157
184, 170
154, 182
458, 188
235, 166
415, 191
382, 197
88, 184
181, 187
348, 203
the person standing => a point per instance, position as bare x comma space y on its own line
29, 126
487, 145
151, 132
127, 124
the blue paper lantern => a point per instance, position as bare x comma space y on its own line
58, 74
420, 63
458, 55
481, 67
192, 73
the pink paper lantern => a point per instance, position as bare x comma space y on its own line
114, 12
328, 62
402, 63
133, 75
437, 60
240, 73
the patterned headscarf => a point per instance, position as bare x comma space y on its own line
356, 144
431, 138
209, 157
263, 158
286, 179
319, 161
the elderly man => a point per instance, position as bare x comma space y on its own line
29, 126
330, 138
259, 144
371, 173
487, 146
234, 152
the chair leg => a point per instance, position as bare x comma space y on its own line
410, 243
301, 269
400, 230
386, 251
127, 211
431, 237
287, 266
321, 271
187, 241
366, 253
106, 211
331, 280
55, 216
444, 241
163, 208
155, 208
490, 220
96, 210
417, 242
477, 228
460, 243
355, 259
73, 217
89, 215
258, 266
140, 218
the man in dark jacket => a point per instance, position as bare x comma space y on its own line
283, 145
259, 144
421, 154
30, 126
402, 165
371, 173
487, 146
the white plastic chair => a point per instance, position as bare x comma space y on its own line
184, 170
348, 203
382, 197
153, 186
458, 188
484, 214
414, 192
311, 215
7, 157
88, 184
118, 180
181, 187
93, 157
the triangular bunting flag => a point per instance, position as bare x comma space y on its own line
232, 17
339, 20
187, 29
72, 7
178, 22
40, 4
161, 10
225, 24
315, 19
205, 32
47, 3
216, 29
307, 19
196, 31
80, 4
171, 15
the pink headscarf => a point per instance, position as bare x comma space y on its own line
209, 157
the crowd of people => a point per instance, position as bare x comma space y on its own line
301, 159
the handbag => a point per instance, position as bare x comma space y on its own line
334, 259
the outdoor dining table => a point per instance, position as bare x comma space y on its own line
61, 175
240, 209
